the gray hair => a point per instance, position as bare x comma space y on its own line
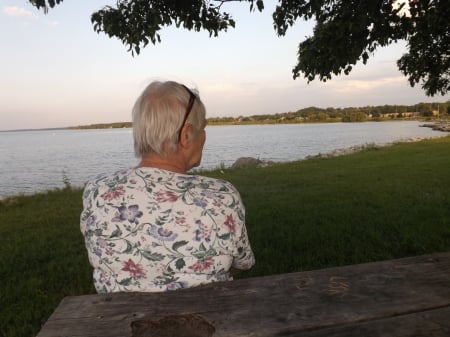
158, 114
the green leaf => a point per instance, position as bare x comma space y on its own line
152, 256
224, 236
199, 254
179, 244
116, 233
125, 281
211, 252
128, 249
180, 264
260, 5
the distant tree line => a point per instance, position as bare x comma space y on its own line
320, 115
349, 114
118, 125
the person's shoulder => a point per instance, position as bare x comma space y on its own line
216, 183
108, 177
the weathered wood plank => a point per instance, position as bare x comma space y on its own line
361, 297
430, 323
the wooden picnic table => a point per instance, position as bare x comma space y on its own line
402, 297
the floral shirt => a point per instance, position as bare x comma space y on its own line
153, 230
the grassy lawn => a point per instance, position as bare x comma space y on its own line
377, 204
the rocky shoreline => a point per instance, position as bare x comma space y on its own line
443, 126
250, 162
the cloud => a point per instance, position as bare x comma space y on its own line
18, 12
349, 86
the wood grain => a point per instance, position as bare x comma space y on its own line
404, 297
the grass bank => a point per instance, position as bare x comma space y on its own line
377, 204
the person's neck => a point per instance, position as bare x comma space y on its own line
169, 163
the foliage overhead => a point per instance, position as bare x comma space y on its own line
351, 30
345, 32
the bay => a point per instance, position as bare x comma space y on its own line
33, 161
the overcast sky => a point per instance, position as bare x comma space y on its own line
56, 71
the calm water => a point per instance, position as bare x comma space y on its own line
38, 160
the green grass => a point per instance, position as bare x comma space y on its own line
380, 203
41, 258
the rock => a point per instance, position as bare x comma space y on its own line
250, 162
443, 126
246, 162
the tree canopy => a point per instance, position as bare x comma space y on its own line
346, 31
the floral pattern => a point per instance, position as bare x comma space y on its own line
147, 229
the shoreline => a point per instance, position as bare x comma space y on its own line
438, 125
256, 163
443, 126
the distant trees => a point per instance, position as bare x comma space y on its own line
355, 117
319, 115
118, 125
345, 33
349, 114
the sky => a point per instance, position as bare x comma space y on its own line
56, 71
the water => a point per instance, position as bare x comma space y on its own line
34, 161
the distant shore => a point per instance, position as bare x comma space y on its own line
213, 121
428, 112
435, 124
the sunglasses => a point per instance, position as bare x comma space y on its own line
192, 98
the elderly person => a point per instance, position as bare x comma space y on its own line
154, 227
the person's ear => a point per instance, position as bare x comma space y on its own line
185, 135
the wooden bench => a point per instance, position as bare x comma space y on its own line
404, 297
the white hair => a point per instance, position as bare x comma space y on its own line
158, 114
